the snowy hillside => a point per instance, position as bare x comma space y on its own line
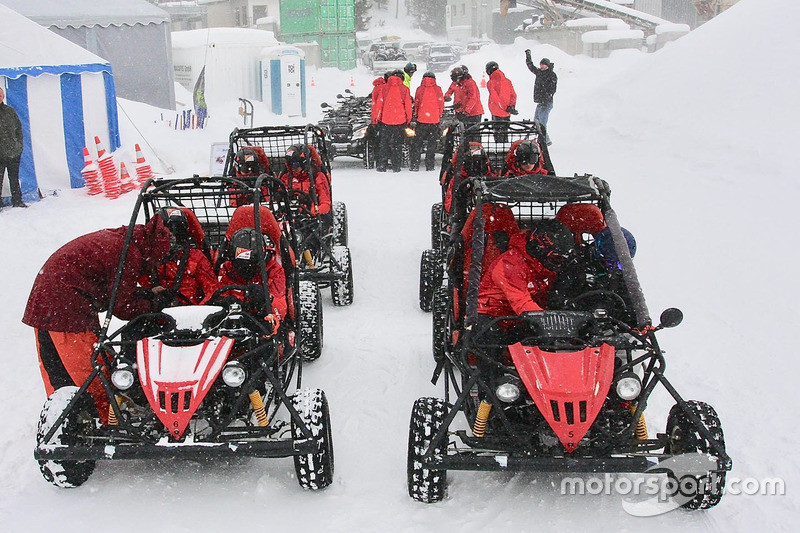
695, 143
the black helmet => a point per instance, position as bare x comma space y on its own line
547, 62
175, 220
429, 74
296, 156
247, 163
552, 243
465, 69
527, 152
476, 162
457, 74
410, 68
491, 66
398, 73
245, 249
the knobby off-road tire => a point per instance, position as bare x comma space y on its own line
436, 225
427, 417
310, 320
342, 289
76, 429
340, 229
684, 438
314, 471
439, 322
430, 278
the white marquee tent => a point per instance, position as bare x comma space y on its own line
64, 96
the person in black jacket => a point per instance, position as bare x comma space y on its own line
10, 149
543, 89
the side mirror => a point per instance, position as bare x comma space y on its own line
348, 91
324, 105
671, 317
339, 96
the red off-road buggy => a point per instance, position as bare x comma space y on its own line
570, 391
201, 381
322, 241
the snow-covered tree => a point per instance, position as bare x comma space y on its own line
429, 14
362, 8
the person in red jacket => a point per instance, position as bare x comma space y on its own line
394, 112
373, 133
475, 163
243, 269
469, 109
428, 108
186, 264
518, 281
75, 285
525, 157
502, 99
299, 165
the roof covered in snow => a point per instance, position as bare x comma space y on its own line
26, 48
80, 13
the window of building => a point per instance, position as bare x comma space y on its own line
259, 12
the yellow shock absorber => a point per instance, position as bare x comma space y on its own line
258, 408
479, 428
641, 425
308, 259
112, 416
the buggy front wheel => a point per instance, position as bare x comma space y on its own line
430, 277
76, 429
342, 289
340, 230
310, 320
315, 470
685, 438
427, 417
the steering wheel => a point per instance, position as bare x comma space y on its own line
601, 294
302, 201
254, 295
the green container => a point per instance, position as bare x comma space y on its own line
300, 16
338, 50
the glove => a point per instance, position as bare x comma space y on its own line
273, 323
528, 52
513, 110
448, 98
456, 107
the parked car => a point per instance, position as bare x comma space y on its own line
440, 57
412, 49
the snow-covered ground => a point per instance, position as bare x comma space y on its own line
696, 143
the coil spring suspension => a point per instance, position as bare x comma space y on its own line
112, 416
258, 408
308, 259
479, 427
641, 425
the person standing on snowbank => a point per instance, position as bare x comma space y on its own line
543, 89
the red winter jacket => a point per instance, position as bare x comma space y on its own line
394, 103
378, 85
75, 283
511, 163
297, 180
501, 94
471, 98
197, 284
276, 281
515, 282
428, 102
457, 93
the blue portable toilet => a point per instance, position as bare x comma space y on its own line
283, 80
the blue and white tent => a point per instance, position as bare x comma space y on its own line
64, 96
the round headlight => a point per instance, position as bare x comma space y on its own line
234, 374
629, 386
507, 392
122, 377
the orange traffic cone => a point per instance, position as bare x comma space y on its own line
143, 170
108, 169
352, 82
483, 81
312, 82
126, 182
91, 174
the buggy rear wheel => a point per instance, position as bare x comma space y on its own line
436, 225
684, 438
430, 277
76, 429
340, 230
310, 320
342, 289
315, 470
427, 417
439, 320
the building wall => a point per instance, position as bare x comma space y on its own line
475, 14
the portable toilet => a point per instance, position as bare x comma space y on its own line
283, 80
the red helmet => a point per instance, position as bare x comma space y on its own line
581, 218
